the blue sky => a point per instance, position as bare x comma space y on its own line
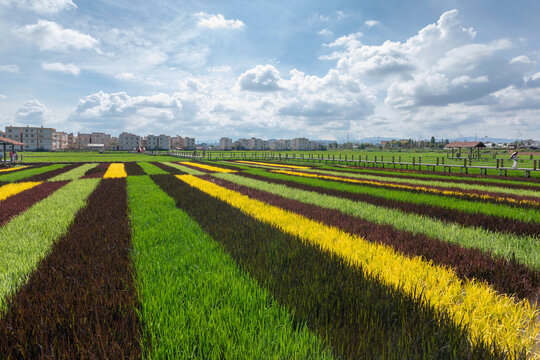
280, 69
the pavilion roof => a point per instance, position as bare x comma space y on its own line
7, 141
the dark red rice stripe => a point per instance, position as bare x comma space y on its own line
505, 276
96, 172
169, 169
50, 174
492, 223
16, 204
440, 179
80, 303
464, 195
132, 168
188, 165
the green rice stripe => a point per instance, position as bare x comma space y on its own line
151, 169
196, 303
26, 173
468, 206
525, 249
185, 169
27, 238
74, 174
494, 189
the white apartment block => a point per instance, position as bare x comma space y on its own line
300, 144
161, 142
128, 141
35, 138
225, 143
60, 140
255, 144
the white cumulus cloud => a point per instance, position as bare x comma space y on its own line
217, 22
371, 23
261, 78
32, 112
48, 35
324, 32
3, 97
63, 68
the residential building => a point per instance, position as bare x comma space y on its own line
83, 140
60, 140
255, 144
161, 142
35, 138
101, 138
225, 143
241, 144
128, 141
189, 143
177, 142
300, 144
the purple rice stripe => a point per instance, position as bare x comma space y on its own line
50, 174
96, 172
169, 169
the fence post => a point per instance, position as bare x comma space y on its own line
399, 160
502, 162
465, 162
393, 159
534, 164
497, 163
437, 160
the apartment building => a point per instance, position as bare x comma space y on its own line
255, 144
241, 144
83, 140
300, 144
189, 143
60, 140
225, 143
128, 141
35, 138
161, 142
101, 138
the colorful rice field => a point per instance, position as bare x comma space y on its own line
254, 260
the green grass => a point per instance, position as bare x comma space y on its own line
26, 173
447, 184
185, 169
151, 169
27, 238
468, 206
74, 174
525, 249
196, 303
92, 156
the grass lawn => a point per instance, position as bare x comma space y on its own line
92, 156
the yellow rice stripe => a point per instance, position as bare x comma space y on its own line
15, 188
13, 168
115, 171
490, 316
211, 168
274, 165
413, 187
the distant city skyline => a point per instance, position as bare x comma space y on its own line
273, 70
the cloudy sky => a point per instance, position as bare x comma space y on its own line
273, 69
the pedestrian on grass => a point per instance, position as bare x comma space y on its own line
514, 158
11, 156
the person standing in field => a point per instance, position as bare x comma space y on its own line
514, 157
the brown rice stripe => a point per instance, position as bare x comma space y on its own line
97, 171
132, 168
80, 303
505, 276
